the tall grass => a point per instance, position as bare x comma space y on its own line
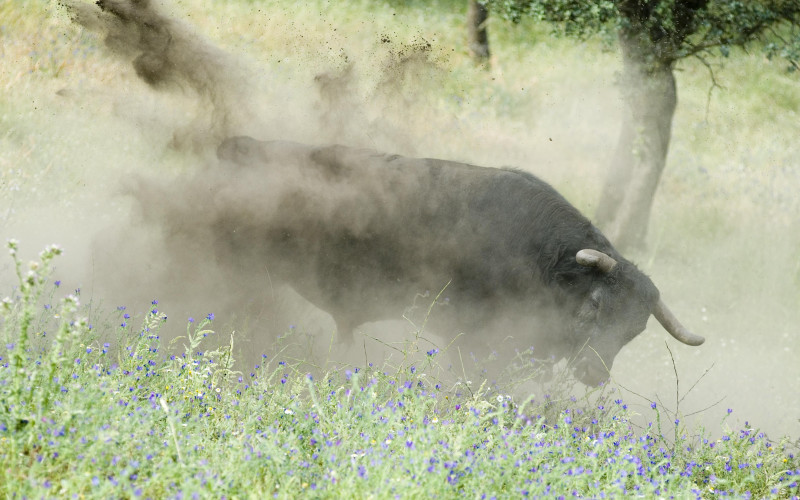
111, 412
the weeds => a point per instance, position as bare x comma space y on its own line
79, 416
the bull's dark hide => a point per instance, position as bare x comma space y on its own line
360, 234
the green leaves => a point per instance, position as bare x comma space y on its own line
673, 29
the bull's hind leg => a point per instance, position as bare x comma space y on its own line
344, 331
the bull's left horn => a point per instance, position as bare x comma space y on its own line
594, 258
674, 327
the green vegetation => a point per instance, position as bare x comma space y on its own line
94, 403
81, 416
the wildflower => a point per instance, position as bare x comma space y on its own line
210, 317
433, 352
653, 405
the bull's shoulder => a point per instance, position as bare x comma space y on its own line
526, 178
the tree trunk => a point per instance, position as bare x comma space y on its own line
477, 36
649, 100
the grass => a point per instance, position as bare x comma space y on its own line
95, 402
103, 409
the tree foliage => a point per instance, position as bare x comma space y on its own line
674, 29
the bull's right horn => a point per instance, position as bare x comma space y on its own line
673, 326
594, 258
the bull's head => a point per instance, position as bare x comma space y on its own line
615, 310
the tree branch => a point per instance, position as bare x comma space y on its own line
714, 83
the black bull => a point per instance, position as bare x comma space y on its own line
359, 234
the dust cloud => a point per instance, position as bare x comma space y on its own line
157, 156
197, 238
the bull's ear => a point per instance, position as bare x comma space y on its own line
594, 258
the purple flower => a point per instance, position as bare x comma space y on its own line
210, 317
653, 405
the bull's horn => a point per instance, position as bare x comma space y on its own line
594, 258
674, 327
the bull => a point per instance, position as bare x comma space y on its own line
359, 234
